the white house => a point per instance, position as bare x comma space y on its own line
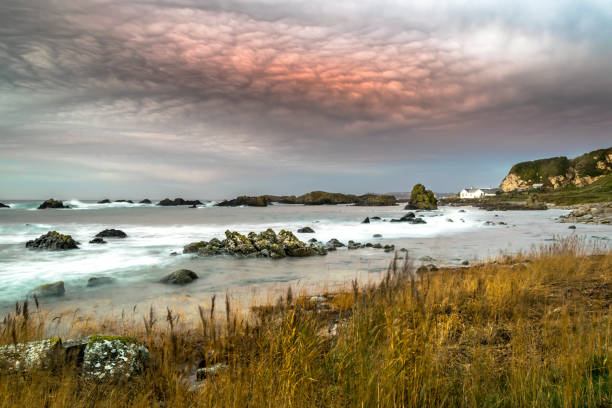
478, 192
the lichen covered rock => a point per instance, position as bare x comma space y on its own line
53, 241
113, 357
35, 355
422, 199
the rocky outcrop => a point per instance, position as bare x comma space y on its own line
55, 289
258, 201
266, 244
51, 203
375, 200
111, 233
145, 201
559, 172
166, 202
180, 277
4, 206
366, 220
600, 213
410, 218
53, 241
422, 199
306, 230
98, 240
105, 201
95, 357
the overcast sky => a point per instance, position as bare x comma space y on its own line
211, 99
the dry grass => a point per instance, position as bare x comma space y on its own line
532, 330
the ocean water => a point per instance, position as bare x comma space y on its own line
139, 261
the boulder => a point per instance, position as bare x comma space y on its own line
422, 199
97, 240
389, 248
334, 243
31, 356
180, 277
4, 206
194, 247
53, 241
105, 201
113, 357
355, 245
465, 263
571, 227
124, 201
54, 289
98, 281
51, 203
166, 202
145, 201
312, 240
259, 201
375, 218
427, 268
366, 220
306, 230
111, 233
377, 236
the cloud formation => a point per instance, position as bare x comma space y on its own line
235, 96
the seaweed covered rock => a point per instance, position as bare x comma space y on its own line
258, 201
422, 199
113, 357
166, 202
55, 289
111, 233
51, 203
53, 241
180, 277
266, 244
375, 200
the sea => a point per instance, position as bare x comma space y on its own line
156, 236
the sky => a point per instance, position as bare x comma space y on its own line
213, 99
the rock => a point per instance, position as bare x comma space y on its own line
145, 201
193, 206
166, 202
312, 240
194, 247
97, 240
111, 233
427, 268
105, 201
180, 277
124, 201
389, 248
113, 357
366, 220
173, 253
306, 230
54, 289
207, 372
53, 241
259, 201
466, 262
449, 220
571, 227
333, 244
426, 259
377, 236
461, 211
32, 356
377, 245
375, 218
375, 200
98, 281
51, 203
4, 206
355, 245
422, 199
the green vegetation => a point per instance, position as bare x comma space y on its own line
599, 191
538, 171
532, 330
422, 199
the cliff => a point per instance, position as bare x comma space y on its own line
559, 172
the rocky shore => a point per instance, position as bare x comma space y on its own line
597, 213
496, 205
51, 203
312, 198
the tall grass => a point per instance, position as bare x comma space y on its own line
532, 330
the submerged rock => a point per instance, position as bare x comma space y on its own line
105, 201
98, 240
51, 203
4, 206
111, 233
145, 201
306, 230
180, 277
166, 202
98, 281
53, 241
54, 289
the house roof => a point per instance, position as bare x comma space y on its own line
484, 190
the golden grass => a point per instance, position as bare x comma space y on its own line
531, 330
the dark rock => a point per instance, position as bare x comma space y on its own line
53, 241
462, 211
571, 227
259, 201
54, 289
375, 218
180, 277
166, 202
375, 200
306, 230
173, 253
124, 201
97, 240
111, 233
193, 206
335, 243
355, 245
422, 199
466, 262
312, 240
51, 203
427, 268
501, 223
4, 206
449, 220
145, 201
377, 236
105, 201
98, 281
366, 220
389, 248
377, 245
